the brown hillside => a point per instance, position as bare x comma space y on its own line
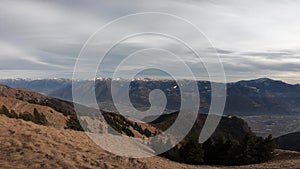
54, 118
27, 145
57, 111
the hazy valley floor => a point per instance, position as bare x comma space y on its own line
27, 145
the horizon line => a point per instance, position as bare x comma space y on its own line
145, 79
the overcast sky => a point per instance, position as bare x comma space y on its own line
42, 38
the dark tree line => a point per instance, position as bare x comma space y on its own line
221, 151
39, 118
121, 125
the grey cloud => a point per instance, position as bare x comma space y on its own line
223, 51
271, 54
250, 37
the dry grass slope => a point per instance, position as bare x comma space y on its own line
27, 145
55, 119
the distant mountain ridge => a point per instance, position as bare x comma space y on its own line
252, 97
44, 86
263, 97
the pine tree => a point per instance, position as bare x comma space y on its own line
74, 124
192, 152
39, 118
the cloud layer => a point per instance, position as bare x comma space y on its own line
253, 39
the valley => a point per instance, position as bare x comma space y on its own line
273, 124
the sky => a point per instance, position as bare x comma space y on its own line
43, 38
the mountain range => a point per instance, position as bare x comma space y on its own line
244, 98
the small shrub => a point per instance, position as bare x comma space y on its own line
6, 112
26, 116
147, 132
